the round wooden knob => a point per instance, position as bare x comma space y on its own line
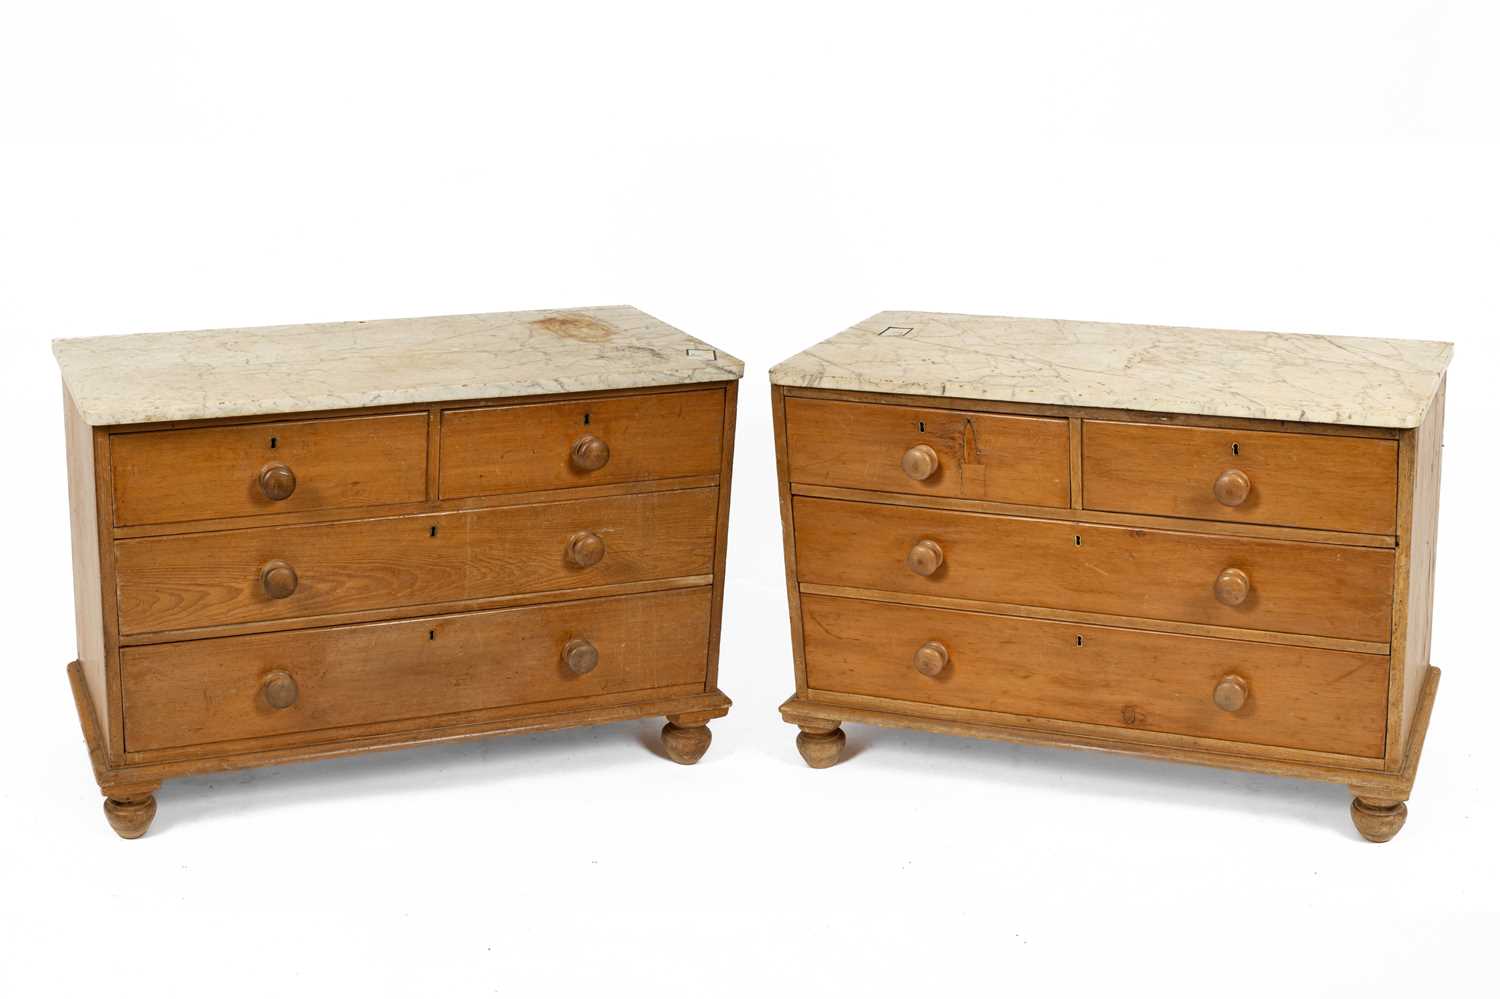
580, 656
1232, 587
585, 549
589, 453
1232, 487
277, 481
1231, 693
278, 579
925, 557
931, 659
919, 462
279, 689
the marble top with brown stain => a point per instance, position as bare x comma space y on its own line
205, 374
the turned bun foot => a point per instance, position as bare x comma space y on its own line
131, 816
1377, 819
820, 745
685, 744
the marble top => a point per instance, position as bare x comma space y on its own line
1271, 376
146, 377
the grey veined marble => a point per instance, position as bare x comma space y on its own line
146, 377
1272, 376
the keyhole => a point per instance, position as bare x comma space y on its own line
586, 419
432, 636
921, 426
1234, 448
1080, 641
432, 531
1078, 541
273, 443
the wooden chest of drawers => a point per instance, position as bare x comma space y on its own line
1207, 546
299, 542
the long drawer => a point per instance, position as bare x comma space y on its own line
1294, 587
1247, 476
264, 574
191, 693
1290, 697
932, 452
164, 476
585, 442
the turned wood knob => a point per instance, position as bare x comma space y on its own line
589, 453
1232, 487
1232, 587
931, 659
1231, 693
585, 549
580, 656
925, 557
279, 689
277, 481
278, 579
919, 462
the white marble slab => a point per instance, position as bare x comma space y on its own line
146, 377
1272, 376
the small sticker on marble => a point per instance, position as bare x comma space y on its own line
702, 354
896, 330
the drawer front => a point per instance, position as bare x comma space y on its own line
165, 476
1335, 591
1009, 459
217, 578
511, 449
1297, 698
1294, 480
189, 693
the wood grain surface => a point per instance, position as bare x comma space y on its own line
201, 580
502, 449
1014, 459
1311, 699
163, 476
189, 693
1329, 590
1296, 480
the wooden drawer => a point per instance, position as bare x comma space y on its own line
215, 578
1010, 459
1295, 480
1336, 591
164, 476
1298, 698
509, 449
188, 693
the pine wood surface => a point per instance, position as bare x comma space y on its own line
162, 476
1329, 590
187, 693
1297, 480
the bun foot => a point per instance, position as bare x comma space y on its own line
130, 815
820, 745
1377, 819
685, 744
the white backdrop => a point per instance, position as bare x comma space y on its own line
760, 176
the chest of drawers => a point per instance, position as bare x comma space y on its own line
299, 542
1208, 546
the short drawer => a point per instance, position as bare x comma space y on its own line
165, 476
1245, 476
265, 574
190, 693
933, 452
558, 445
1336, 591
1296, 698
